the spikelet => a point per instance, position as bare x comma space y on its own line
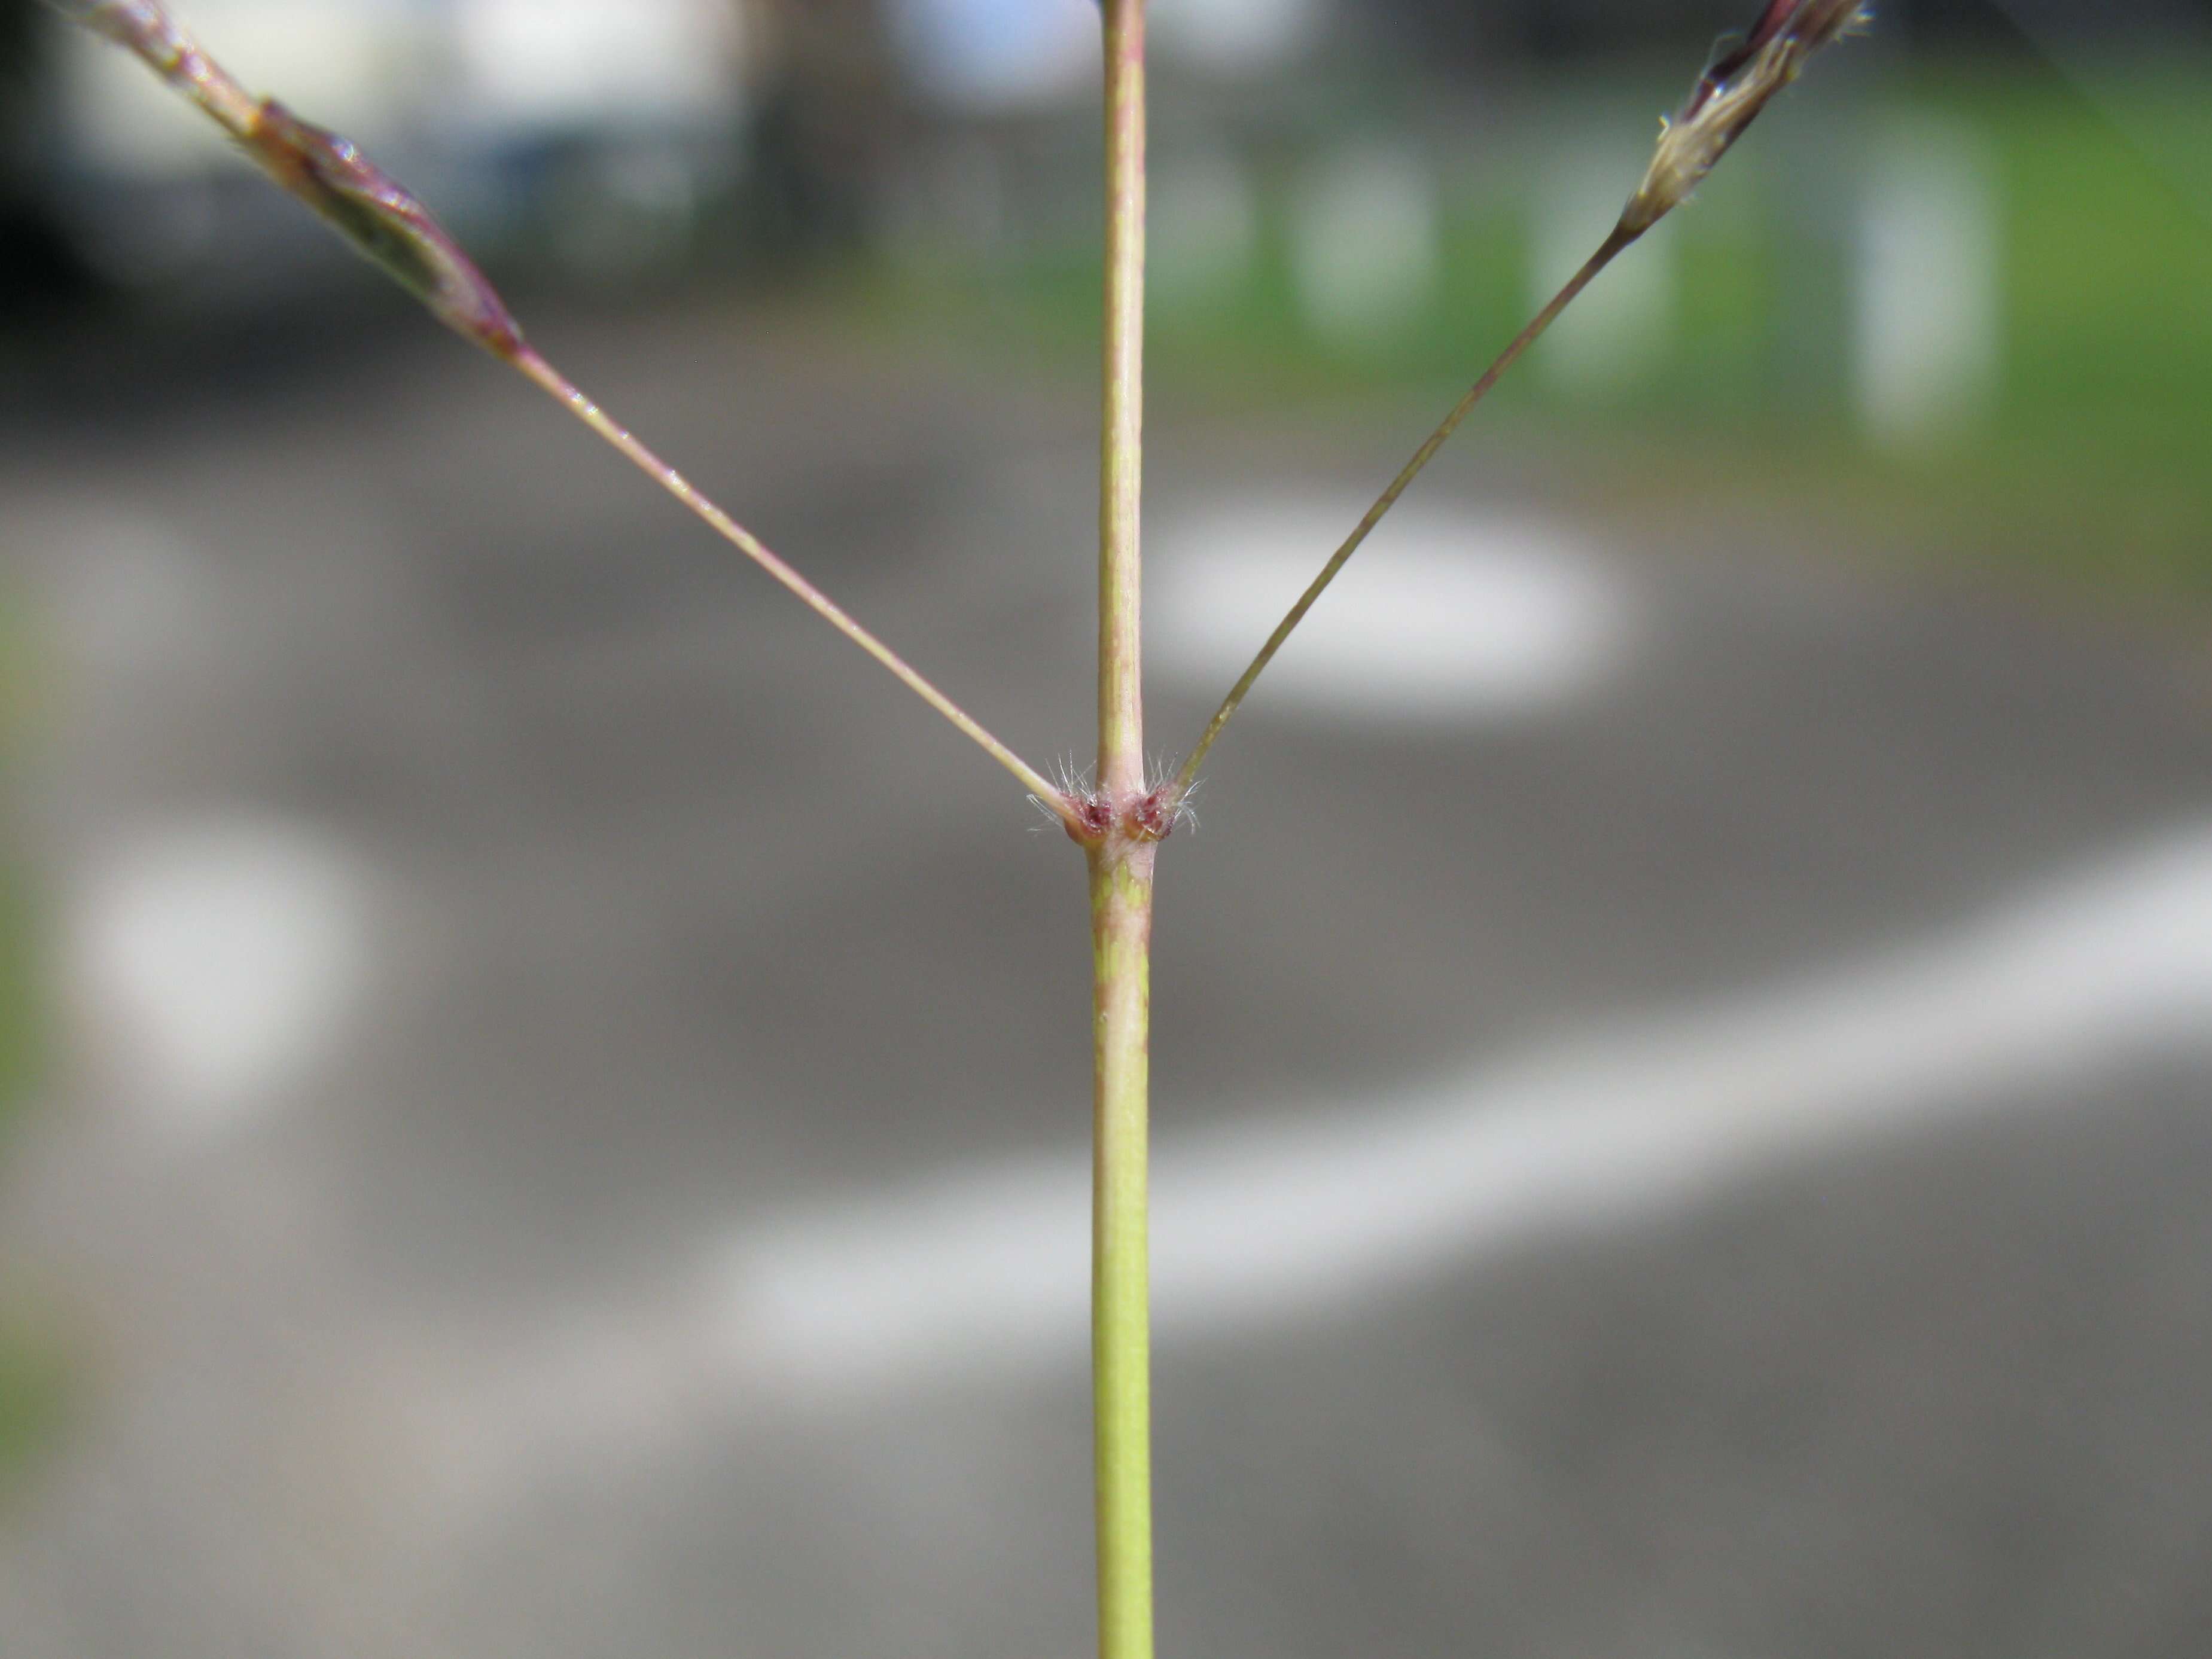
364, 204
1729, 97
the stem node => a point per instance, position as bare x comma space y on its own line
1121, 897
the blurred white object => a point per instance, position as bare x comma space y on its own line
1364, 245
563, 63
342, 63
1237, 37
212, 962
617, 114
997, 57
1927, 297
1444, 617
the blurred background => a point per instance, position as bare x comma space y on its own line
543, 1100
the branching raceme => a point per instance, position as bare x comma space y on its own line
392, 227
386, 222
1119, 822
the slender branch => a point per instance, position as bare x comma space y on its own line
384, 221
144, 27
544, 374
1608, 252
1121, 865
1726, 99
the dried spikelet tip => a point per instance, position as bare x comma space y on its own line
1729, 97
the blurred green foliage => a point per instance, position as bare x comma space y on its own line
35, 1390
2089, 459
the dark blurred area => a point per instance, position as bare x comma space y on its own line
542, 1100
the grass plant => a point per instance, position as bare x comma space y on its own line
1121, 820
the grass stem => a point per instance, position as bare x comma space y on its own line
1121, 697
1120, 1317
1121, 898
1620, 238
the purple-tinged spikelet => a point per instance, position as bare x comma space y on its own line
387, 223
1729, 97
362, 202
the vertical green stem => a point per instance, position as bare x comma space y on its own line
1121, 1334
1120, 689
1121, 899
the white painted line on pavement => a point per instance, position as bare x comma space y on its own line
984, 1271
980, 1274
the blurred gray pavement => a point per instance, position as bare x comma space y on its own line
573, 1073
